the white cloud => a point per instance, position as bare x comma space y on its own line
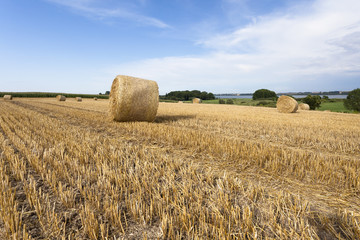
89, 8
302, 43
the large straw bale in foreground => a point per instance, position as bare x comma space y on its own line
304, 106
79, 99
133, 99
286, 104
196, 100
7, 97
60, 98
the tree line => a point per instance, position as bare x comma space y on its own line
188, 95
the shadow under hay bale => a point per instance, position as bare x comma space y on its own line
286, 104
133, 99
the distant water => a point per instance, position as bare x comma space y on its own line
296, 96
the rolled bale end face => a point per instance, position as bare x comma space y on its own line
8, 97
196, 100
286, 104
61, 98
78, 99
304, 106
133, 99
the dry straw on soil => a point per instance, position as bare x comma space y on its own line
304, 106
79, 99
133, 99
286, 104
7, 97
196, 100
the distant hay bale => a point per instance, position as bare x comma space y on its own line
60, 98
79, 99
196, 100
133, 99
180, 102
286, 104
95, 98
304, 106
7, 97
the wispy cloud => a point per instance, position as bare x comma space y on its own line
306, 43
91, 8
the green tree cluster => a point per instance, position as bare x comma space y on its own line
188, 95
314, 101
352, 101
263, 94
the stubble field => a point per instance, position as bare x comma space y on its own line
197, 172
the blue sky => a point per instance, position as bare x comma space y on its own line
221, 46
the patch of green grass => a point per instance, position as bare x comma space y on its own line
334, 106
246, 102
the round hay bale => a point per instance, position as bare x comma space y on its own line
133, 99
7, 97
196, 100
79, 99
95, 98
286, 104
304, 106
61, 98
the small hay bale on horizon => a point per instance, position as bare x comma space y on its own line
133, 99
304, 106
95, 98
286, 104
180, 102
196, 100
8, 97
61, 98
78, 99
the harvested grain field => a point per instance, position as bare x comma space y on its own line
196, 172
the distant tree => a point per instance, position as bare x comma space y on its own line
107, 93
187, 95
263, 93
229, 101
352, 101
325, 98
314, 101
221, 101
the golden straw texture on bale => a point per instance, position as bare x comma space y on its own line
133, 99
304, 106
286, 104
196, 100
60, 98
7, 97
79, 99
